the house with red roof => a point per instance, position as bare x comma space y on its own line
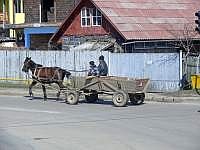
133, 26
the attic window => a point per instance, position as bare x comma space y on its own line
85, 17
90, 17
96, 17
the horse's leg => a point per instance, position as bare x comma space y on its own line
30, 88
44, 91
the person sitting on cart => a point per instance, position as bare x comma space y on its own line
102, 67
93, 69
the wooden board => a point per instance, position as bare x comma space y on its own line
128, 85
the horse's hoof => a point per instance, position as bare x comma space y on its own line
45, 98
31, 98
31, 94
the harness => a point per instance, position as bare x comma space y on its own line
37, 72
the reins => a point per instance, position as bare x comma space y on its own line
77, 70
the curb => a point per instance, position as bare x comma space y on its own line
171, 99
174, 99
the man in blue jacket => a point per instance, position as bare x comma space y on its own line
102, 67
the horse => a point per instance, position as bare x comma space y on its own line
44, 75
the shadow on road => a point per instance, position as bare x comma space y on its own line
81, 101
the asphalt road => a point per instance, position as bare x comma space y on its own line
38, 125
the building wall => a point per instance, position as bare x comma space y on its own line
64, 7
32, 10
75, 28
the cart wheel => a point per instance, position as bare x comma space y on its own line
72, 97
91, 98
137, 99
120, 99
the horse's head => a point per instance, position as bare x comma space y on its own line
68, 74
28, 64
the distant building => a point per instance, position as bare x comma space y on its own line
33, 22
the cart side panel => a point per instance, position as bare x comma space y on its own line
128, 85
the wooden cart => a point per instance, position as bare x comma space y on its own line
122, 89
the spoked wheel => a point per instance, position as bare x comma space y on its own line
91, 98
72, 97
137, 99
120, 99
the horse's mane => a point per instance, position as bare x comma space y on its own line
39, 65
35, 65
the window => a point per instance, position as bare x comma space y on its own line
90, 17
47, 6
85, 17
149, 45
18, 6
161, 44
139, 45
96, 17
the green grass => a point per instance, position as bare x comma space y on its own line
12, 84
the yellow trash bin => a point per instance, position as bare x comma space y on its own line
195, 81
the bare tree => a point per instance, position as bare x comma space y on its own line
184, 36
184, 39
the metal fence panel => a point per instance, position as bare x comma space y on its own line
161, 68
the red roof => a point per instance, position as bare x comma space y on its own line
149, 19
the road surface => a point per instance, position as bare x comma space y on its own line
38, 125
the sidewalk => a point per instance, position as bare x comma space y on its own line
172, 97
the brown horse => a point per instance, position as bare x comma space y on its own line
44, 75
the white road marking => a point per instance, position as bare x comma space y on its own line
28, 110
